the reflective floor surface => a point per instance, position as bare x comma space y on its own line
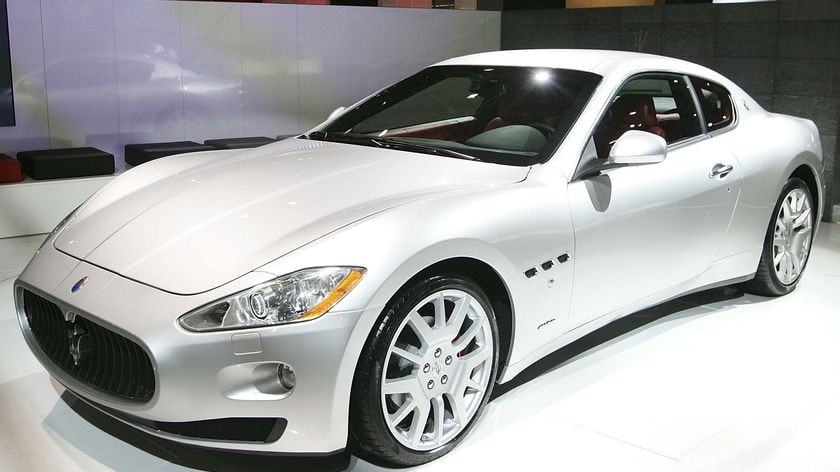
716, 381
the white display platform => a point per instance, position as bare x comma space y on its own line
36, 206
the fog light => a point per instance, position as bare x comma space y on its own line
286, 376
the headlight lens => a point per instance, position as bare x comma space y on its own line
303, 295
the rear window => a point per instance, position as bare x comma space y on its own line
716, 103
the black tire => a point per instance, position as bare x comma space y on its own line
766, 282
372, 439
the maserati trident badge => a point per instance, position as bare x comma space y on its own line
78, 285
79, 341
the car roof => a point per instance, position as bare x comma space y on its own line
601, 62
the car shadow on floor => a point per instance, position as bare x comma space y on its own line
229, 461
718, 297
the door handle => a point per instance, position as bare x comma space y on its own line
720, 171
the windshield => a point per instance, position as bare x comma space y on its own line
506, 115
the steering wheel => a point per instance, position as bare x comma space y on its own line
543, 128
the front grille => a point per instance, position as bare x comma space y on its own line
90, 353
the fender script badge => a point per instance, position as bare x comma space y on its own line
78, 285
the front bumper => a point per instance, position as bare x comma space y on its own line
204, 379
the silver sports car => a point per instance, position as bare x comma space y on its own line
370, 281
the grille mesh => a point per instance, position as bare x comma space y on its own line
111, 363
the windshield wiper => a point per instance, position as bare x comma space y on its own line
412, 146
344, 138
389, 143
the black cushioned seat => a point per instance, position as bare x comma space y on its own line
64, 163
281, 137
240, 143
136, 154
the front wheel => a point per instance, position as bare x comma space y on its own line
787, 243
426, 372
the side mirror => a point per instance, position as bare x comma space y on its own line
638, 147
335, 113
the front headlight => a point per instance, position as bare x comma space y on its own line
303, 295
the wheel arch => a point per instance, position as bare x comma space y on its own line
494, 287
807, 174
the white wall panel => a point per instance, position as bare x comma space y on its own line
34, 207
270, 69
492, 31
123, 71
29, 82
81, 73
148, 45
211, 64
106, 73
346, 53
427, 36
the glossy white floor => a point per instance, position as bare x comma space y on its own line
717, 381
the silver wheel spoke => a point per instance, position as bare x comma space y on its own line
404, 410
802, 218
406, 384
462, 342
475, 358
459, 313
459, 409
438, 407
418, 423
472, 384
796, 264
786, 210
800, 236
416, 359
440, 312
786, 266
421, 328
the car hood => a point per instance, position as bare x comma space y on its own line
191, 223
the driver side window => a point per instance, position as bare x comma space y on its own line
661, 104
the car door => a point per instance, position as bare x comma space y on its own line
642, 230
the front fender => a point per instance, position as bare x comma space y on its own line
511, 227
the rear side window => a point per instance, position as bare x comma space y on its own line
715, 102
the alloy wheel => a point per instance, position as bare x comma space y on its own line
437, 369
792, 236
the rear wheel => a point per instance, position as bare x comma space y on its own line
426, 373
787, 243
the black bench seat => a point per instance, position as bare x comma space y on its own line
240, 143
136, 154
65, 163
